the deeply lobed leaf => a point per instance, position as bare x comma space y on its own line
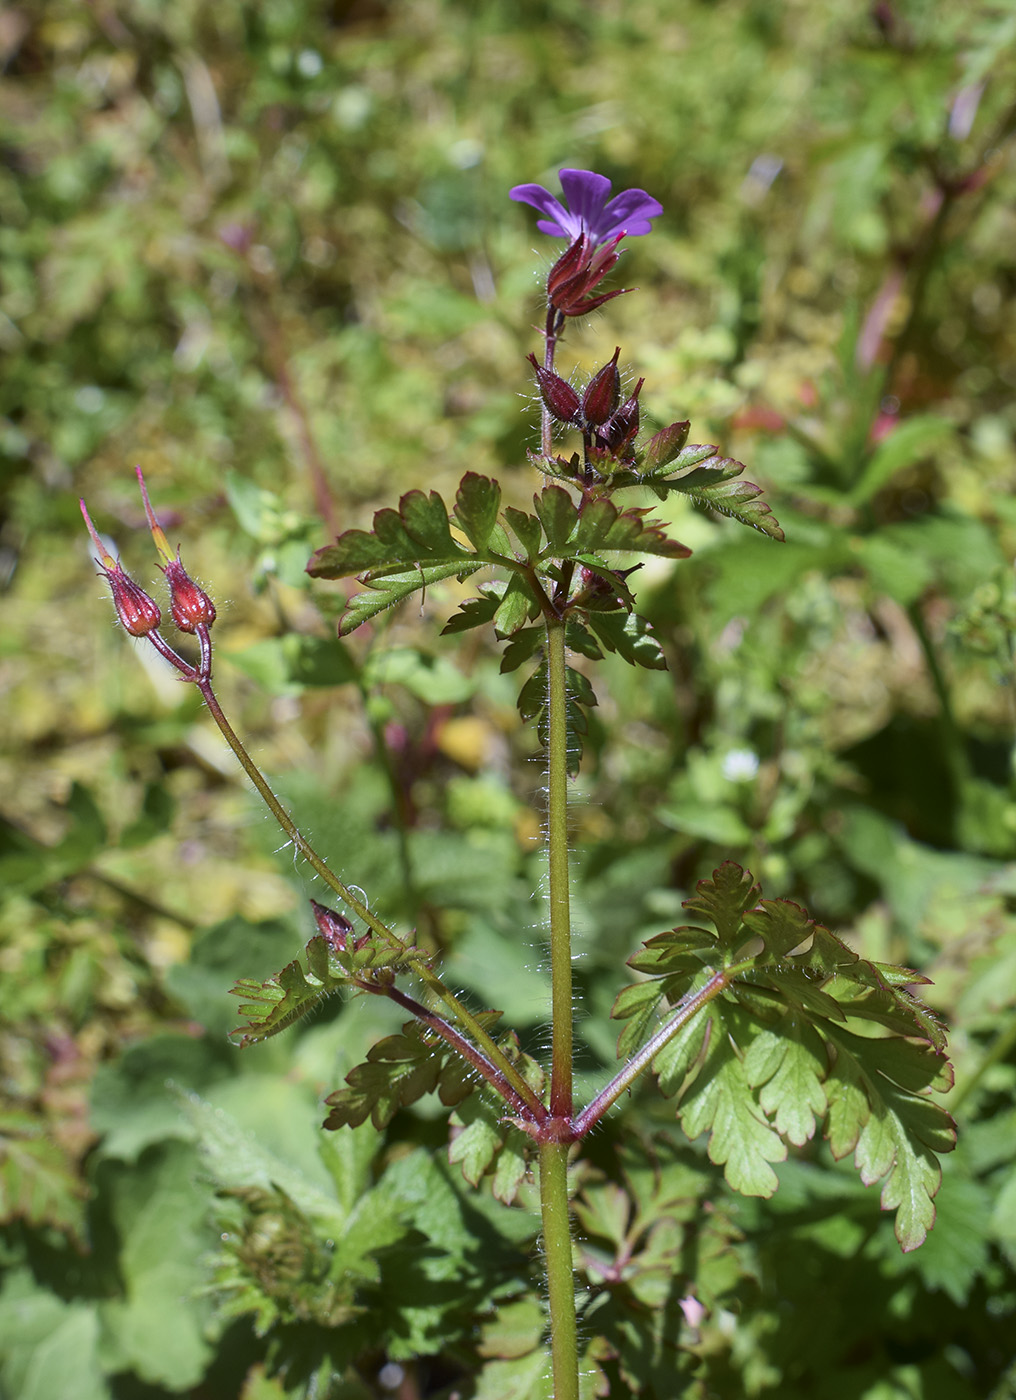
773, 1052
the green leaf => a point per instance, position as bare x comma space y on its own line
630, 636
159, 1207
720, 1102
474, 612
527, 530
639, 1006
907, 443
524, 644
485, 1140
477, 503
790, 1065
516, 608
48, 1348
724, 899
273, 1005
559, 516
387, 589
39, 1182
399, 1070
779, 1052
877, 1109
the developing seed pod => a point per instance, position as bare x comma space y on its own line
560, 398
602, 393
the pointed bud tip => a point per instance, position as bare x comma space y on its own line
158, 535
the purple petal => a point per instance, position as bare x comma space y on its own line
586, 193
590, 208
559, 223
631, 211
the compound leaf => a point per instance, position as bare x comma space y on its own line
775, 1036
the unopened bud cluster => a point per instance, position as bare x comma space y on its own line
609, 427
190, 607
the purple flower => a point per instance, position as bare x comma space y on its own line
591, 211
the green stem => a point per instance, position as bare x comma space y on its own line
557, 1248
559, 895
413, 956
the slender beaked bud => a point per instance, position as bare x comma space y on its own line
560, 398
603, 393
190, 606
619, 431
138, 613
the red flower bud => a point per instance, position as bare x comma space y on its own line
617, 434
136, 610
560, 398
334, 928
578, 272
190, 605
138, 613
602, 393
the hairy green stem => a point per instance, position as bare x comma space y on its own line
559, 894
300, 843
557, 1249
554, 1155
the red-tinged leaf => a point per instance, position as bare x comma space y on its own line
477, 503
558, 515
723, 900
417, 533
661, 450
527, 530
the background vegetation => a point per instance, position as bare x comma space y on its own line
265, 250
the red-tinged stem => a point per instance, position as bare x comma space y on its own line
624, 1079
554, 326
528, 1107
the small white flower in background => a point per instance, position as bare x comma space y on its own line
740, 765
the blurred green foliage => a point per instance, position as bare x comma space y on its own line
265, 250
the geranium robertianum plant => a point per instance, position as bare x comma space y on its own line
761, 1023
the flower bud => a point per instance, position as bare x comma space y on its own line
617, 434
334, 928
560, 398
136, 610
578, 272
190, 605
138, 613
602, 393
